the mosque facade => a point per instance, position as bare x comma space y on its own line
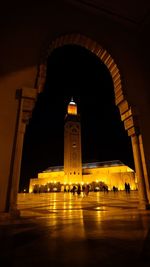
98, 175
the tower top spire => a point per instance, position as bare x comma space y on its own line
72, 107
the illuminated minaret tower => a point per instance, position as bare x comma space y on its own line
72, 145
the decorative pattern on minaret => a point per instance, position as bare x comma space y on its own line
72, 144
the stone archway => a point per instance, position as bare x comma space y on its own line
127, 112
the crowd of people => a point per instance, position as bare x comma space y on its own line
86, 188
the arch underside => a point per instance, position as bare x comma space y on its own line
126, 111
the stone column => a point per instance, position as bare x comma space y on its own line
16, 171
144, 167
26, 101
130, 117
143, 200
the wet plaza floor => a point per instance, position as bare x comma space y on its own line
59, 229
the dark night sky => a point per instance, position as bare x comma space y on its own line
74, 71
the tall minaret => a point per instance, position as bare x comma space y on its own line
72, 145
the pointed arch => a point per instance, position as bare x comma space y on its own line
28, 96
127, 112
95, 48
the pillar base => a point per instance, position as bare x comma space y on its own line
4, 217
148, 206
144, 206
7, 217
14, 213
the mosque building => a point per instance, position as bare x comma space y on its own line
98, 175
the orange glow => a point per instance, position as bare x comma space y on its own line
72, 109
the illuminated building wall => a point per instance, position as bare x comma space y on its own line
114, 174
111, 175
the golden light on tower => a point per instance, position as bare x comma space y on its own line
72, 144
72, 108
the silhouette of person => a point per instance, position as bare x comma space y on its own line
79, 190
128, 188
73, 189
87, 190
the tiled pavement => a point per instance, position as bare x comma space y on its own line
59, 229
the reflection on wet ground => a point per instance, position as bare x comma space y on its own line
104, 229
